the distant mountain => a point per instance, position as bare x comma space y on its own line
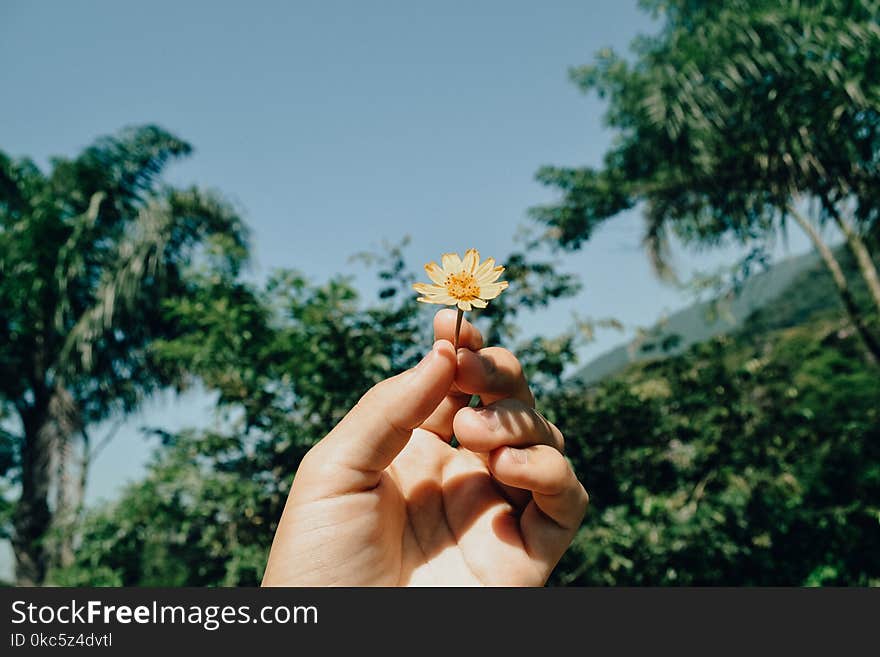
785, 295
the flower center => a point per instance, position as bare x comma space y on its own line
462, 286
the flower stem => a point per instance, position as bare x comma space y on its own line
457, 328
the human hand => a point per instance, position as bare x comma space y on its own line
385, 500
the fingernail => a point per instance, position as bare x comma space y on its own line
518, 456
490, 417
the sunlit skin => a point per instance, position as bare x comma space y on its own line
385, 500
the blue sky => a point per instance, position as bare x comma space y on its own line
334, 125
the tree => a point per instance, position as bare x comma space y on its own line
737, 118
90, 254
748, 460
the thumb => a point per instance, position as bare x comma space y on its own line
374, 432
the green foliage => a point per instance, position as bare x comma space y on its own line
752, 459
90, 253
203, 516
733, 112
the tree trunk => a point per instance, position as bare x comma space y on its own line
84, 467
32, 516
849, 302
867, 268
65, 503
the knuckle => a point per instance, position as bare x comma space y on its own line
583, 498
378, 388
314, 463
499, 359
562, 470
556, 438
554, 471
378, 391
368, 396
307, 462
559, 437
515, 368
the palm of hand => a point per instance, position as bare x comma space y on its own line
437, 517
444, 520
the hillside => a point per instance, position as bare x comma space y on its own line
788, 294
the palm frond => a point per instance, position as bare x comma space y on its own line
161, 244
132, 160
71, 261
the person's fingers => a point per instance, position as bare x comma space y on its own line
559, 501
543, 470
379, 426
506, 422
440, 421
444, 329
492, 373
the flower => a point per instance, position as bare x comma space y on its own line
464, 283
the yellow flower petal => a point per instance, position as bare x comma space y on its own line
464, 305
435, 273
471, 260
491, 276
440, 301
485, 268
427, 289
451, 263
443, 297
492, 290
478, 303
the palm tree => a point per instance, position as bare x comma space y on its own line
735, 120
90, 254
